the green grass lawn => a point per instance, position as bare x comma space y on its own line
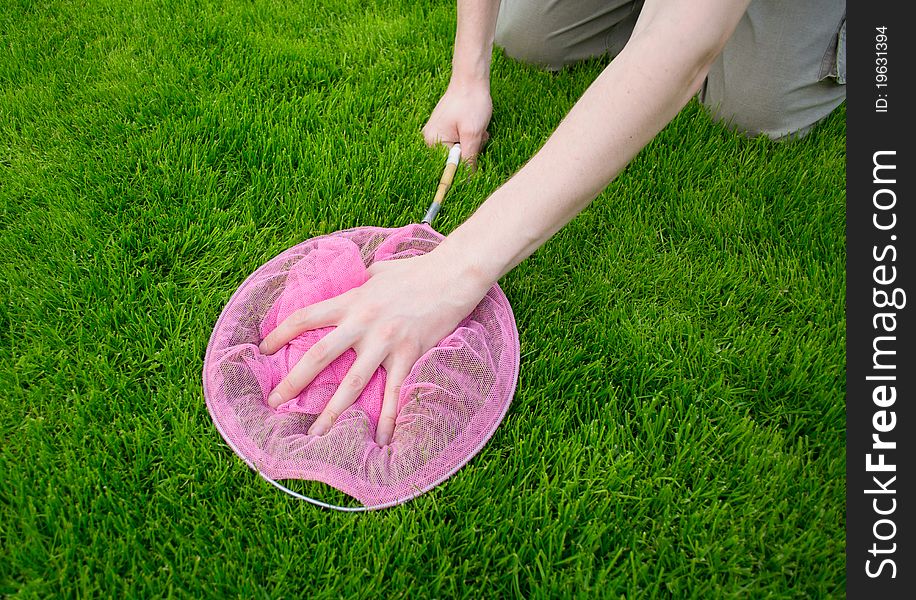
679, 424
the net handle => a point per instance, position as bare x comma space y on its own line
445, 182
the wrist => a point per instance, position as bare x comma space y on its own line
471, 68
469, 78
469, 278
474, 36
501, 233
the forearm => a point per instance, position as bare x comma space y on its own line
631, 101
474, 37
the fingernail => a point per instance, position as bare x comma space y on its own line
317, 429
275, 399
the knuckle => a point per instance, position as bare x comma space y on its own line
285, 389
389, 331
319, 350
394, 398
471, 133
367, 314
354, 381
410, 352
299, 318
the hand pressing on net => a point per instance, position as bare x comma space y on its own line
403, 310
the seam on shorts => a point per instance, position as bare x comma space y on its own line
830, 62
841, 55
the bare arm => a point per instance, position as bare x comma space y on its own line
643, 88
474, 37
408, 305
464, 111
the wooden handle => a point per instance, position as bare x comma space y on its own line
445, 182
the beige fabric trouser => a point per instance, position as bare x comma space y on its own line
782, 71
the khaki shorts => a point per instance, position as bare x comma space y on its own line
782, 71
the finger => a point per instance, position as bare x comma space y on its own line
394, 380
349, 390
321, 314
471, 141
315, 359
434, 136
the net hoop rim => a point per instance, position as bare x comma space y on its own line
364, 508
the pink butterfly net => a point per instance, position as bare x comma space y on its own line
450, 404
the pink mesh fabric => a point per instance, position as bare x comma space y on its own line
450, 404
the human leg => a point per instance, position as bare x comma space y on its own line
556, 33
783, 69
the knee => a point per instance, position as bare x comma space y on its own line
763, 107
750, 111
